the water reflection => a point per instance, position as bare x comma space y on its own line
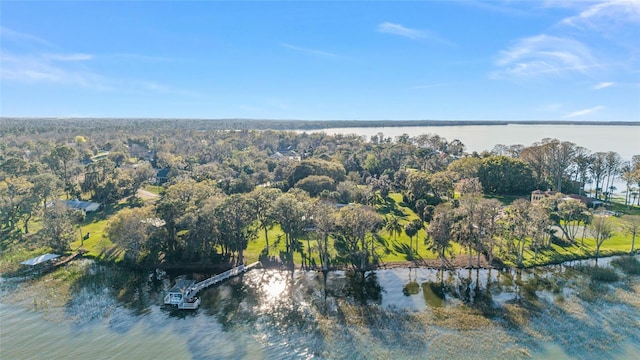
404, 313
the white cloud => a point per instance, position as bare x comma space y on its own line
68, 57
602, 85
310, 51
397, 29
500, 7
413, 34
606, 13
584, 112
21, 38
544, 55
63, 70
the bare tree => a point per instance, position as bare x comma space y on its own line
612, 165
598, 169
631, 225
560, 157
603, 230
570, 213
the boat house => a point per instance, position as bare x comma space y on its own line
179, 292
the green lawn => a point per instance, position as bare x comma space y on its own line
394, 250
154, 189
618, 244
98, 245
390, 248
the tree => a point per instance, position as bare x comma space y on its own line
631, 225
442, 184
468, 227
560, 156
502, 175
324, 219
598, 169
354, 223
45, 186
180, 201
629, 176
129, 229
317, 167
292, 215
517, 226
540, 229
417, 185
15, 200
315, 184
264, 198
411, 229
393, 226
57, 227
466, 167
206, 231
603, 230
489, 210
140, 175
571, 214
59, 161
612, 166
237, 213
536, 159
439, 232
582, 161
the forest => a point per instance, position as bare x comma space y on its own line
178, 193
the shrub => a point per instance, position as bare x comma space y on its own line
603, 274
629, 264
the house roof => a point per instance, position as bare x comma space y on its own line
82, 205
40, 259
163, 173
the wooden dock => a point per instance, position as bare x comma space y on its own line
189, 297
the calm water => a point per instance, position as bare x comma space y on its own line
624, 140
548, 313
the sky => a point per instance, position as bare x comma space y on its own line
317, 60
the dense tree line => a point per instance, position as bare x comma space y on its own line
226, 188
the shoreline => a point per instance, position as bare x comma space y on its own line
289, 124
461, 263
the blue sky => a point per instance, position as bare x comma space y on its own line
458, 60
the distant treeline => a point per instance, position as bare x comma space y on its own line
38, 125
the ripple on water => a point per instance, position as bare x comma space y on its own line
399, 313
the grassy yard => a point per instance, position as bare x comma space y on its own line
154, 189
390, 248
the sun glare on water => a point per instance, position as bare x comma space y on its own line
273, 286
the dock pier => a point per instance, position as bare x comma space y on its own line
185, 293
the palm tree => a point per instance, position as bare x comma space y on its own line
411, 229
393, 226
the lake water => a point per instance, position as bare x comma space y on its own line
623, 139
554, 312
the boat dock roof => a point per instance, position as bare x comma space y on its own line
181, 286
40, 259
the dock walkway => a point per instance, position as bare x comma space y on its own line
190, 299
